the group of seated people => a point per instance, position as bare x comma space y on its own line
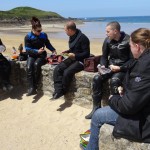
126, 56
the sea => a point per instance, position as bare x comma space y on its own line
94, 27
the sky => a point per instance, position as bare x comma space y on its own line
85, 8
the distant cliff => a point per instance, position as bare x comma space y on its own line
22, 15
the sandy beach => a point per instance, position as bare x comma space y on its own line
13, 36
42, 125
36, 123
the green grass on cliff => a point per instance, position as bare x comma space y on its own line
27, 13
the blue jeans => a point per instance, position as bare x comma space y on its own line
101, 116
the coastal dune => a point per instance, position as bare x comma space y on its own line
35, 122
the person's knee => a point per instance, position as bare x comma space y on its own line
29, 67
115, 81
29, 64
114, 84
57, 69
8, 65
101, 115
98, 114
67, 74
37, 65
97, 78
6, 68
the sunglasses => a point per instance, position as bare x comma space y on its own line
38, 30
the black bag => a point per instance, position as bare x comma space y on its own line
23, 56
90, 64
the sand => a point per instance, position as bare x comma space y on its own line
35, 122
13, 36
40, 124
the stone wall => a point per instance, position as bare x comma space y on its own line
80, 90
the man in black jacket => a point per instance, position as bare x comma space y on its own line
79, 49
130, 112
115, 56
5, 70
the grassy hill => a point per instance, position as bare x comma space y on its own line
27, 13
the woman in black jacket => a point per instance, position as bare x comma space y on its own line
35, 42
130, 113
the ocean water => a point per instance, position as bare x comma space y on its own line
125, 19
94, 27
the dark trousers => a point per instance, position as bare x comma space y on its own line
63, 74
34, 70
5, 70
115, 81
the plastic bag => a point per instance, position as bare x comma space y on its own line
85, 139
103, 70
2, 48
55, 59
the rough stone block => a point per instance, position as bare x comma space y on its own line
108, 142
80, 90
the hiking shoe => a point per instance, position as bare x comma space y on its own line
57, 95
9, 87
31, 91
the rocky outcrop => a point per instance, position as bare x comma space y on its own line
17, 21
108, 142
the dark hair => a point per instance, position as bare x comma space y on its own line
141, 36
114, 25
71, 25
35, 22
